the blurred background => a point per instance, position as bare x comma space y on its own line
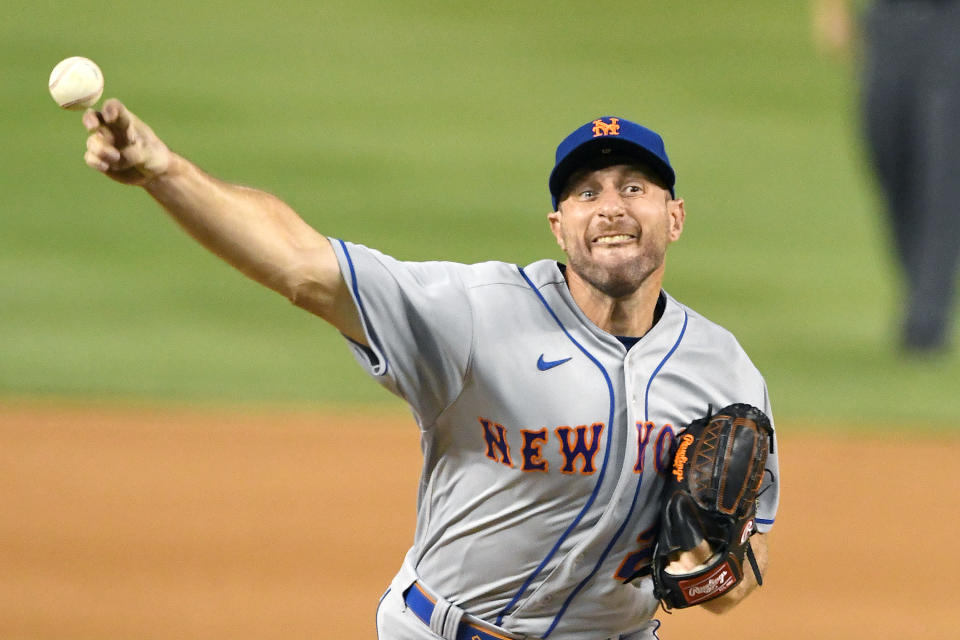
426, 129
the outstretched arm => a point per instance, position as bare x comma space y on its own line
254, 231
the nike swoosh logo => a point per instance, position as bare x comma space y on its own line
544, 365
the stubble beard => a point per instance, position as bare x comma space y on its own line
619, 280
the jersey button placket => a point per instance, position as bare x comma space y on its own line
633, 384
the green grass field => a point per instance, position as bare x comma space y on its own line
426, 129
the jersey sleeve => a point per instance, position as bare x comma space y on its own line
418, 322
741, 381
768, 499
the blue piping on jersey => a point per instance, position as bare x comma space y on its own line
376, 623
603, 557
363, 314
636, 492
600, 475
646, 395
765, 521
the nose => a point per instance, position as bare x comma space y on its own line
610, 205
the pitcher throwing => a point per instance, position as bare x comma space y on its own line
549, 397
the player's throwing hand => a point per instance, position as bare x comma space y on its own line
122, 147
627, 367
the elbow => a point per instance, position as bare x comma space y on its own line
321, 293
305, 292
311, 280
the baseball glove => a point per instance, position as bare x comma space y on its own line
711, 495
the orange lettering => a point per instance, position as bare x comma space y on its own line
601, 128
681, 458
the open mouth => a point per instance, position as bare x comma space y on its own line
617, 238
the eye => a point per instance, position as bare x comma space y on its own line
634, 188
586, 194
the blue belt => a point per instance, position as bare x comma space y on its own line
422, 606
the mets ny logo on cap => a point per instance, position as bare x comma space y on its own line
601, 128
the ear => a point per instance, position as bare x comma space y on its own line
555, 218
677, 215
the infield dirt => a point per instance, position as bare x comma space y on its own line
121, 524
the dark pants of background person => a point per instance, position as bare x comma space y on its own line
911, 107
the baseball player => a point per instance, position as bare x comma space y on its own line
548, 396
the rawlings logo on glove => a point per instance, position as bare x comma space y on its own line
711, 497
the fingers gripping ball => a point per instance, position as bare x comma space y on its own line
711, 497
76, 83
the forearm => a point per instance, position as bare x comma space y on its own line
262, 237
254, 231
729, 600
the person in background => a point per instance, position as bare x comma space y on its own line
911, 116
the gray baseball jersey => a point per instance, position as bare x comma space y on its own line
545, 441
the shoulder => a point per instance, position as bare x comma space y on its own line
361, 255
496, 274
357, 258
707, 342
702, 330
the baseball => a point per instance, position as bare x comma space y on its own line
76, 83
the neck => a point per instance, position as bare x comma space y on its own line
629, 315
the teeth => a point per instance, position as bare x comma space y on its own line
611, 239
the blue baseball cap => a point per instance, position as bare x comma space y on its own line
609, 135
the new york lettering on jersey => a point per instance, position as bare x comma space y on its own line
532, 419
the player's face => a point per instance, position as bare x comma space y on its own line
615, 224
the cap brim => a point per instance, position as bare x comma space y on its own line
595, 148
